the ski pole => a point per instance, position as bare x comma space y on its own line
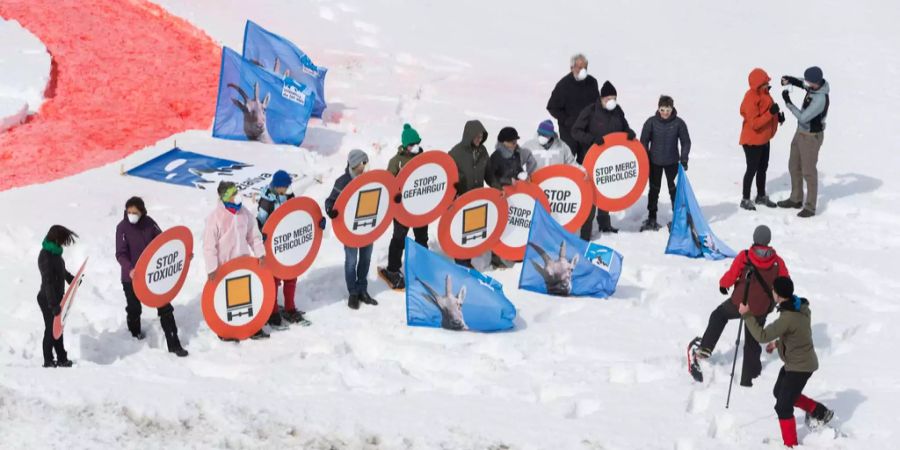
737, 345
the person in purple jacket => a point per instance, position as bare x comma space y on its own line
133, 234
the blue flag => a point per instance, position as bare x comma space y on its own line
560, 263
442, 294
256, 105
690, 234
184, 168
278, 54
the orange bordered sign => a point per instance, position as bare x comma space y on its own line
619, 171
520, 199
293, 237
238, 301
426, 189
365, 208
59, 322
163, 266
474, 223
569, 192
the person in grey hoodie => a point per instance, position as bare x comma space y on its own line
808, 138
660, 136
548, 148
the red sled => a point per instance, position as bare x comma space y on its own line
59, 322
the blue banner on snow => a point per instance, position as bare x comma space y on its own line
690, 234
254, 104
442, 294
185, 168
279, 55
560, 263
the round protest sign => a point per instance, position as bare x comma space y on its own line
426, 189
293, 237
569, 192
163, 266
520, 199
365, 208
473, 224
619, 171
238, 301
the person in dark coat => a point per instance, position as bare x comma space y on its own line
509, 161
593, 123
572, 94
472, 163
660, 136
133, 234
54, 278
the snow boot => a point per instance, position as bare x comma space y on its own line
694, 360
170, 329
748, 205
393, 279
789, 204
261, 334
805, 213
64, 363
353, 301
296, 316
765, 201
49, 364
367, 299
650, 224
134, 327
788, 431
819, 417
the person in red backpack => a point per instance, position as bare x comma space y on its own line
752, 273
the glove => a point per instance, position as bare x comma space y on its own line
787, 97
684, 165
780, 118
322, 223
794, 81
55, 310
723, 290
774, 109
398, 198
333, 214
522, 176
630, 135
599, 141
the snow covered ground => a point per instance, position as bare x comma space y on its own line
576, 373
24, 73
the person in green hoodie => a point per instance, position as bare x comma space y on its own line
472, 163
791, 334
410, 147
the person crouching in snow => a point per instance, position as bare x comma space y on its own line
133, 234
54, 278
410, 147
548, 149
752, 273
660, 136
230, 234
791, 334
356, 260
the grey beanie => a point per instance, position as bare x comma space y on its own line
356, 157
762, 235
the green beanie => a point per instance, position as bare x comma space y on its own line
410, 136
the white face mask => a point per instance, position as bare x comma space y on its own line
133, 218
581, 75
543, 140
238, 199
610, 105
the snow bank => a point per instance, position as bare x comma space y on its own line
24, 73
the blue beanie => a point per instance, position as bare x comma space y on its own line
280, 179
814, 75
546, 129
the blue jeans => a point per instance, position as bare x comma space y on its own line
355, 272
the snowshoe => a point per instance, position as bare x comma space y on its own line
394, 280
260, 335
650, 225
295, 316
64, 363
748, 205
824, 416
693, 360
279, 326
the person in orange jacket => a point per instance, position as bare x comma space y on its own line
761, 119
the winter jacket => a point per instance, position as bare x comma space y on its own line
54, 277
793, 331
567, 100
269, 201
230, 235
759, 125
661, 137
339, 185
505, 165
401, 159
594, 122
811, 118
471, 162
769, 265
556, 152
131, 240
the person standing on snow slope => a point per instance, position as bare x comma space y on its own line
807, 140
472, 163
133, 234
570, 96
593, 123
508, 162
761, 119
660, 136
754, 289
548, 148
54, 278
791, 334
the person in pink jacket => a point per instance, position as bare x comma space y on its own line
231, 232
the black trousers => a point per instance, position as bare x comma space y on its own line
757, 157
656, 174
48, 345
751, 366
398, 243
166, 315
787, 390
603, 222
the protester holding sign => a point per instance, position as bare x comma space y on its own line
548, 148
356, 260
133, 234
54, 276
472, 162
409, 148
230, 233
509, 161
594, 122
660, 136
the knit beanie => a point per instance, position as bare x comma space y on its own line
546, 129
409, 136
607, 89
280, 179
762, 235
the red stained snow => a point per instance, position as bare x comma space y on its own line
126, 74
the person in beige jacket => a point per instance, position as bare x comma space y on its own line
791, 334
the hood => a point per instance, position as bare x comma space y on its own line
472, 129
797, 304
758, 78
824, 90
762, 256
